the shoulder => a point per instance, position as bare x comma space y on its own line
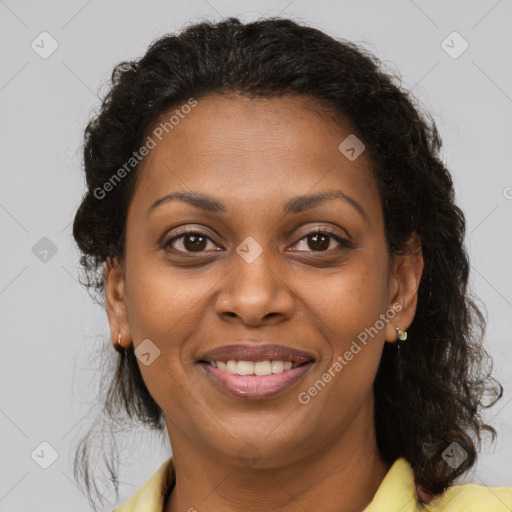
151, 496
398, 492
472, 498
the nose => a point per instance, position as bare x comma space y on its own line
255, 292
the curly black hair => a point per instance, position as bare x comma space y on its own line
427, 398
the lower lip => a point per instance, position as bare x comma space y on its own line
256, 386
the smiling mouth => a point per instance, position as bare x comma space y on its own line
255, 380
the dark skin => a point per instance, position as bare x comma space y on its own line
253, 156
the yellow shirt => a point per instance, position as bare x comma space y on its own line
396, 493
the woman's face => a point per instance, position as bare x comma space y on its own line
253, 272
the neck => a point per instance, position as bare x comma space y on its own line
343, 474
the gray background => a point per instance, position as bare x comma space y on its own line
52, 332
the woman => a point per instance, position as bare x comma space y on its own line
283, 267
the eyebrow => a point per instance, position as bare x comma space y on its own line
292, 206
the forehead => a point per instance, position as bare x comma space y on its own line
252, 149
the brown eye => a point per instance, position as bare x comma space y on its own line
191, 241
320, 241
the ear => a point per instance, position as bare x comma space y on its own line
116, 304
404, 284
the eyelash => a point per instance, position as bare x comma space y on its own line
344, 243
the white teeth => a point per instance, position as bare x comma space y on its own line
245, 368
231, 367
277, 366
253, 368
263, 368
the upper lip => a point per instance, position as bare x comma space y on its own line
247, 352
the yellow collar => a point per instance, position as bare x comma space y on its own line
396, 493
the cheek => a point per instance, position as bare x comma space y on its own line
349, 301
164, 310
161, 301
346, 312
